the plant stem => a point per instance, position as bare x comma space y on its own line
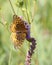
10, 54
27, 12
12, 7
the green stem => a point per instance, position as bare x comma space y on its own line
10, 54
27, 12
12, 7
23, 13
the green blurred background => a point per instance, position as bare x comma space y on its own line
39, 13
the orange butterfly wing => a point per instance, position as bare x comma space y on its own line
18, 31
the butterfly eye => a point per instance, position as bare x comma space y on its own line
25, 23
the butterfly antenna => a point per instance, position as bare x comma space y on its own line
12, 6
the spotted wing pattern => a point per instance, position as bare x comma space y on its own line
18, 31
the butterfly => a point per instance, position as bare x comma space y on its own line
18, 30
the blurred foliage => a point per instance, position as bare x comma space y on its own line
39, 14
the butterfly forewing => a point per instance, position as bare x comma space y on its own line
18, 31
